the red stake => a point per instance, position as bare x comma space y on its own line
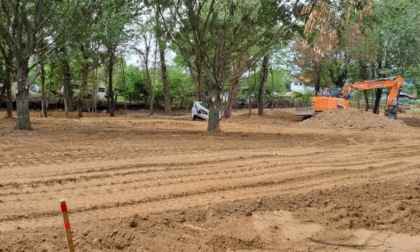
63, 206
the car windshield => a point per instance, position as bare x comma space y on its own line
204, 104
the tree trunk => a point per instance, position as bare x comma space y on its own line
235, 86
95, 85
263, 82
197, 81
272, 88
318, 69
165, 81
232, 97
7, 87
215, 104
150, 89
67, 89
364, 73
366, 99
111, 105
250, 93
50, 80
159, 32
43, 92
378, 95
83, 86
23, 121
83, 89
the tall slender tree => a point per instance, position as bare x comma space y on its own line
159, 33
263, 83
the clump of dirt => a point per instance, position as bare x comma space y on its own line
354, 119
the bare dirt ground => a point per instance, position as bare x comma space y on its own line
341, 181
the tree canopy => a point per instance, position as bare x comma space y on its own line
199, 49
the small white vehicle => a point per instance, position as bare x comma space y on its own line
200, 111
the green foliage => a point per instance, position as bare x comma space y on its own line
181, 86
278, 81
135, 84
304, 98
389, 34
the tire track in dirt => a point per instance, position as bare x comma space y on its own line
201, 198
101, 183
383, 169
173, 168
149, 178
83, 171
136, 166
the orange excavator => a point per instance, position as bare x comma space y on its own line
323, 103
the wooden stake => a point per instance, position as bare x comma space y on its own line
63, 206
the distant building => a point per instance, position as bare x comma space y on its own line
300, 87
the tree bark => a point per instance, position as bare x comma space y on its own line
165, 81
318, 69
197, 77
83, 86
235, 86
23, 121
232, 97
161, 43
43, 92
366, 99
214, 107
7, 87
149, 87
378, 95
111, 105
263, 82
250, 93
50, 80
67, 88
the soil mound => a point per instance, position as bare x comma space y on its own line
354, 119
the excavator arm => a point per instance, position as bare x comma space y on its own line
323, 103
393, 83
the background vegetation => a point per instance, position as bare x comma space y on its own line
168, 53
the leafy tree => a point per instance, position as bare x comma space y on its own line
114, 16
215, 33
160, 39
331, 28
263, 82
394, 25
145, 54
30, 27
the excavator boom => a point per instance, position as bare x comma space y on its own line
323, 103
393, 83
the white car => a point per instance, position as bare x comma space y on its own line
200, 111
